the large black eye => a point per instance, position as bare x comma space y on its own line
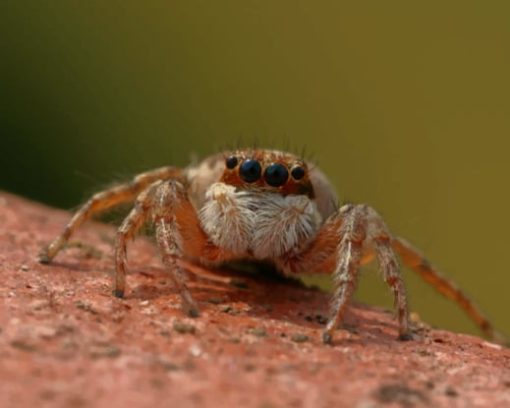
276, 175
231, 162
250, 170
298, 173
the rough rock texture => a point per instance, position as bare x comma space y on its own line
65, 341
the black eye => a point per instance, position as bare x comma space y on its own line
231, 162
250, 170
298, 173
276, 175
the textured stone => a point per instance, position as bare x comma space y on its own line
66, 341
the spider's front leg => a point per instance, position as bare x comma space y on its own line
348, 239
363, 229
168, 204
181, 238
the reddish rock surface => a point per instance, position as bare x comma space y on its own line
65, 341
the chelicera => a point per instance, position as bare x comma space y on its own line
262, 205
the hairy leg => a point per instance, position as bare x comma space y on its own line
380, 238
106, 200
130, 226
417, 262
349, 238
362, 228
351, 235
179, 234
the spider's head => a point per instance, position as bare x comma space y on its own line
267, 170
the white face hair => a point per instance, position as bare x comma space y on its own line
203, 175
258, 224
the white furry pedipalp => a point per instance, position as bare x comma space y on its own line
258, 224
283, 224
226, 217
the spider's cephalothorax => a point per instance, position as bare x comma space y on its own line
262, 207
266, 205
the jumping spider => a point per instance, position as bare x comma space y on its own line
265, 205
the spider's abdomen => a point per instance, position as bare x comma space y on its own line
256, 224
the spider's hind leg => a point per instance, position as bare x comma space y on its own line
418, 263
104, 201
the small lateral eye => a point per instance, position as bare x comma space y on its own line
276, 175
231, 162
250, 170
298, 173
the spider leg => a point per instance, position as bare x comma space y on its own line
203, 273
388, 263
129, 227
106, 200
353, 236
363, 228
417, 262
181, 239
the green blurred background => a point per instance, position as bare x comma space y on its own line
405, 105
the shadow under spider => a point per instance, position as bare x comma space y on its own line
269, 294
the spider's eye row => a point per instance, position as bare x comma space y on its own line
298, 173
250, 170
231, 162
276, 175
